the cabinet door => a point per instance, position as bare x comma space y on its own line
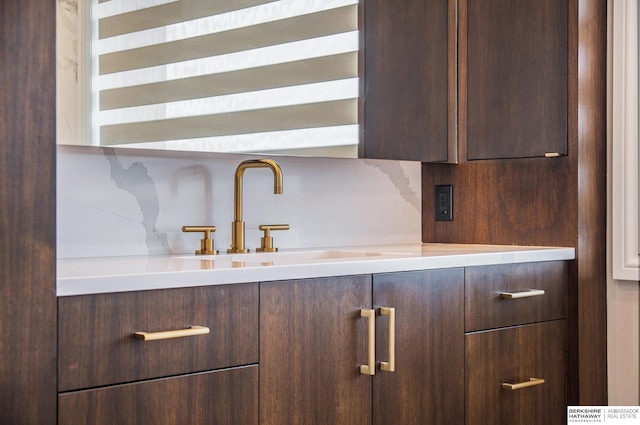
96, 334
312, 343
427, 386
512, 356
516, 65
406, 72
222, 397
534, 292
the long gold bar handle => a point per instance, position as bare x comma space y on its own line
390, 366
178, 333
370, 367
530, 383
522, 294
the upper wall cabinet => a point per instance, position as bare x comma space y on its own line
513, 78
409, 80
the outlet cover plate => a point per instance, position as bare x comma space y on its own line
444, 202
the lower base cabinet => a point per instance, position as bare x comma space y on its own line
440, 347
427, 386
516, 375
163, 357
314, 340
515, 344
312, 343
220, 397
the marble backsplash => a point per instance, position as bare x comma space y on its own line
114, 202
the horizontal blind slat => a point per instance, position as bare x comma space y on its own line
300, 50
319, 24
327, 68
323, 114
169, 13
261, 99
331, 141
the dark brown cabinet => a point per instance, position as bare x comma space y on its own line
227, 396
443, 346
501, 363
427, 386
502, 295
514, 69
409, 80
479, 79
314, 341
198, 363
515, 344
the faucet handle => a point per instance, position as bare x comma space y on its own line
206, 244
266, 242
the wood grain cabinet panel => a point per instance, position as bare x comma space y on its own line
407, 59
427, 386
97, 347
27, 212
486, 308
312, 341
515, 60
220, 397
514, 355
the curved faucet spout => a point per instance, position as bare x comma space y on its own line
237, 227
237, 186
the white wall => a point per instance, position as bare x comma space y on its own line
623, 296
134, 202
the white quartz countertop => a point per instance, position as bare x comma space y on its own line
81, 276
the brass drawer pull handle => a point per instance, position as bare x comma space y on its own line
522, 294
178, 333
370, 367
530, 383
390, 366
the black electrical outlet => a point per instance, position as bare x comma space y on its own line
444, 202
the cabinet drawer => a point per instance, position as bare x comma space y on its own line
512, 356
97, 347
221, 397
487, 308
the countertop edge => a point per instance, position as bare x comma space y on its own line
425, 257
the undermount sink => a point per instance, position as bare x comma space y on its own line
294, 256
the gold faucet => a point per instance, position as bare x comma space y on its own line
237, 227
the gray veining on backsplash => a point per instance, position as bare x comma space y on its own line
136, 181
400, 179
134, 202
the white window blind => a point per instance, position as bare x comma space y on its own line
225, 76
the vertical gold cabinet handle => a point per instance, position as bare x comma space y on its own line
530, 383
370, 367
390, 366
178, 333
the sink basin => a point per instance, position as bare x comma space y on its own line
290, 257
